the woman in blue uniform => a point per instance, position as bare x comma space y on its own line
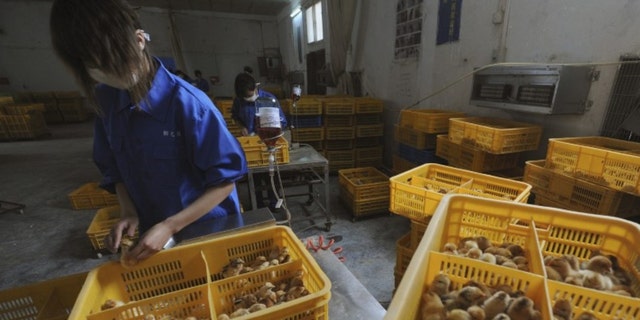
160, 143
244, 112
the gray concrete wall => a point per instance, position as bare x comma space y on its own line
218, 44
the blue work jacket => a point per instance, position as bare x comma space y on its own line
169, 152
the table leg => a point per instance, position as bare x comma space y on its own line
252, 190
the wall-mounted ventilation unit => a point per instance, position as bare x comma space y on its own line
548, 89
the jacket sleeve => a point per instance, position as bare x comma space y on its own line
104, 158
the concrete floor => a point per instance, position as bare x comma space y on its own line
49, 239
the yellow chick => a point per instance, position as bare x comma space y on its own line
562, 309
522, 309
476, 313
233, 268
223, 316
488, 258
239, 313
466, 297
496, 304
432, 307
440, 284
458, 314
257, 307
474, 253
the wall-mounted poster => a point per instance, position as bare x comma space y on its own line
449, 21
408, 29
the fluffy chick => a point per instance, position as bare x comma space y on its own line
522, 309
440, 284
619, 273
458, 314
501, 316
432, 307
516, 250
499, 252
239, 313
466, 297
476, 313
496, 304
595, 280
562, 309
485, 289
483, 242
600, 264
450, 248
562, 266
474, 253
488, 258
233, 268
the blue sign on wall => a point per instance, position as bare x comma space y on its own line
449, 21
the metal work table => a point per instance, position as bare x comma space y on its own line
309, 164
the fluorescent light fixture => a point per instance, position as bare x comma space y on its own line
295, 12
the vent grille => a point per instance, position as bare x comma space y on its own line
540, 95
624, 99
493, 91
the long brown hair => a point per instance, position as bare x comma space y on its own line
101, 34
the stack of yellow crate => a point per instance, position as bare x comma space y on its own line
487, 144
589, 174
369, 132
365, 191
415, 137
305, 120
339, 132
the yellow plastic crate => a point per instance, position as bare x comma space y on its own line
414, 138
365, 207
338, 121
416, 193
406, 302
370, 153
339, 133
46, 300
101, 224
307, 134
306, 107
495, 135
579, 195
224, 105
338, 106
404, 253
473, 159
417, 232
369, 118
605, 161
345, 144
256, 153
428, 120
365, 105
365, 183
555, 232
340, 155
8, 100
91, 196
23, 108
376, 163
370, 130
187, 280
25, 126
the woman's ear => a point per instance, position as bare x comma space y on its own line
141, 39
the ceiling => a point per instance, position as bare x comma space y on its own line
254, 7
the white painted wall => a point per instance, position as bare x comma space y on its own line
543, 31
216, 43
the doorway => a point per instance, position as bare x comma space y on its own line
315, 63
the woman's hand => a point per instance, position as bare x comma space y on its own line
126, 225
151, 242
